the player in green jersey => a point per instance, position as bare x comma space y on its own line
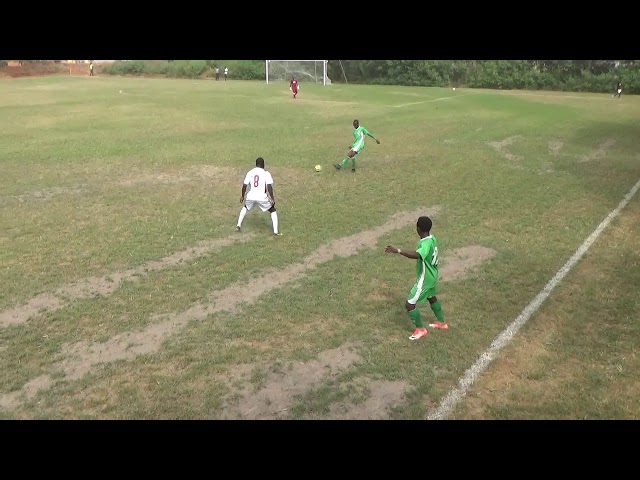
427, 278
360, 133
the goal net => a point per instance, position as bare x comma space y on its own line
304, 71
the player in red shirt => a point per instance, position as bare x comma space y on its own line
293, 86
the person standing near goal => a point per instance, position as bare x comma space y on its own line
260, 183
293, 86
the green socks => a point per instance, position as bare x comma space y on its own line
437, 309
353, 163
345, 162
414, 315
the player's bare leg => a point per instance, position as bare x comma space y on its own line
436, 307
414, 315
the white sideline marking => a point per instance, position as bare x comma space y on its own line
473, 373
436, 99
523, 94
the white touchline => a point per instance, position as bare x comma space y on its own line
435, 99
473, 373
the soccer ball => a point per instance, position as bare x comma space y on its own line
318, 168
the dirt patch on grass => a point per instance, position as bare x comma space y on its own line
94, 287
45, 194
281, 385
599, 152
382, 397
12, 400
198, 172
459, 263
501, 147
81, 358
555, 146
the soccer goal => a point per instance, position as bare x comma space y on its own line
303, 70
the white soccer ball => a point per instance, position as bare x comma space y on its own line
454, 88
318, 168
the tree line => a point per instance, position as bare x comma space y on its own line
570, 75
598, 76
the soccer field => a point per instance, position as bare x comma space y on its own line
126, 293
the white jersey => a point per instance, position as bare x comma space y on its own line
257, 180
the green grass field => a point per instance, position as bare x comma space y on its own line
126, 293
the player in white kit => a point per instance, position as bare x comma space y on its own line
260, 184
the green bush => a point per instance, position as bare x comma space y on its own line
238, 69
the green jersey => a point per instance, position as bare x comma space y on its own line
427, 264
360, 133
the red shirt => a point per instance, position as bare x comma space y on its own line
294, 84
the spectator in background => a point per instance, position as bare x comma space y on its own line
226, 73
618, 91
217, 73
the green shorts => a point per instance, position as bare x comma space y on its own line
421, 295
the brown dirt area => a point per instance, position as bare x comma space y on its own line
599, 152
383, 397
555, 146
500, 147
458, 263
282, 385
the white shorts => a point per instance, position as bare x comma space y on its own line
263, 204
358, 147
619, 90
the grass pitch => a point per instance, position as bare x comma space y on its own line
127, 294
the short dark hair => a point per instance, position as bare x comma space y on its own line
424, 224
260, 162
356, 121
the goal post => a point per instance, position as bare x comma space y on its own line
304, 70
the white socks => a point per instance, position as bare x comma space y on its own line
243, 212
274, 219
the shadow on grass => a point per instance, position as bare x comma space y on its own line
614, 166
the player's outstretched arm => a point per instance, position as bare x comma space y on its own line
272, 195
413, 255
367, 132
244, 191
